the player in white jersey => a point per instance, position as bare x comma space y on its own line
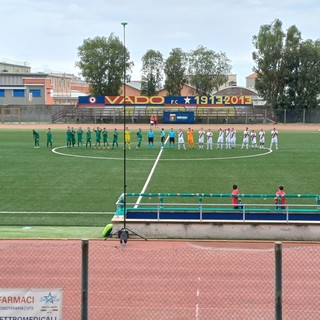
262, 136
274, 138
220, 139
228, 138
245, 140
233, 138
181, 140
201, 138
253, 137
209, 139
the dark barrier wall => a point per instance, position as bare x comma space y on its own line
178, 117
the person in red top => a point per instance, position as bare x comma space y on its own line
152, 120
235, 197
155, 120
280, 198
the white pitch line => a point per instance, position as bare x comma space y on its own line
150, 174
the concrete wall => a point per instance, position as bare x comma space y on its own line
36, 113
222, 231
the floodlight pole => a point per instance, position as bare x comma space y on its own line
124, 233
124, 129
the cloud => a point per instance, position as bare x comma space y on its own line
47, 33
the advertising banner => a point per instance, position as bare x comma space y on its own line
168, 101
31, 304
178, 117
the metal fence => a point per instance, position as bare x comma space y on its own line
69, 113
300, 116
169, 280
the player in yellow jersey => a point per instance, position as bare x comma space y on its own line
127, 138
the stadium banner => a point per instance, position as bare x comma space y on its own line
170, 101
178, 117
27, 304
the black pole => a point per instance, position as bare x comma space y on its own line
124, 233
84, 282
124, 130
278, 280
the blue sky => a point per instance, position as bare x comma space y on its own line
46, 34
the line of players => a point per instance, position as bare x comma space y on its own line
225, 138
75, 137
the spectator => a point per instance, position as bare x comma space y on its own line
152, 120
235, 197
280, 198
155, 121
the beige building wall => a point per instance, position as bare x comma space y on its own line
251, 81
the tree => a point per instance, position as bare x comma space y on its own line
269, 45
307, 85
175, 72
288, 98
152, 66
288, 68
102, 64
208, 70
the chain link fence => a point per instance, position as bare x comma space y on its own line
169, 280
299, 116
43, 264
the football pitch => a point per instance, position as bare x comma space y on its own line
77, 188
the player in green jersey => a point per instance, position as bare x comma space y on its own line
73, 136
88, 135
49, 138
36, 138
98, 137
69, 137
139, 135
115, 138
79, 135
105, 138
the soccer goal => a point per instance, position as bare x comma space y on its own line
11, 115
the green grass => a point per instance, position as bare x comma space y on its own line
34, 181
49, 232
